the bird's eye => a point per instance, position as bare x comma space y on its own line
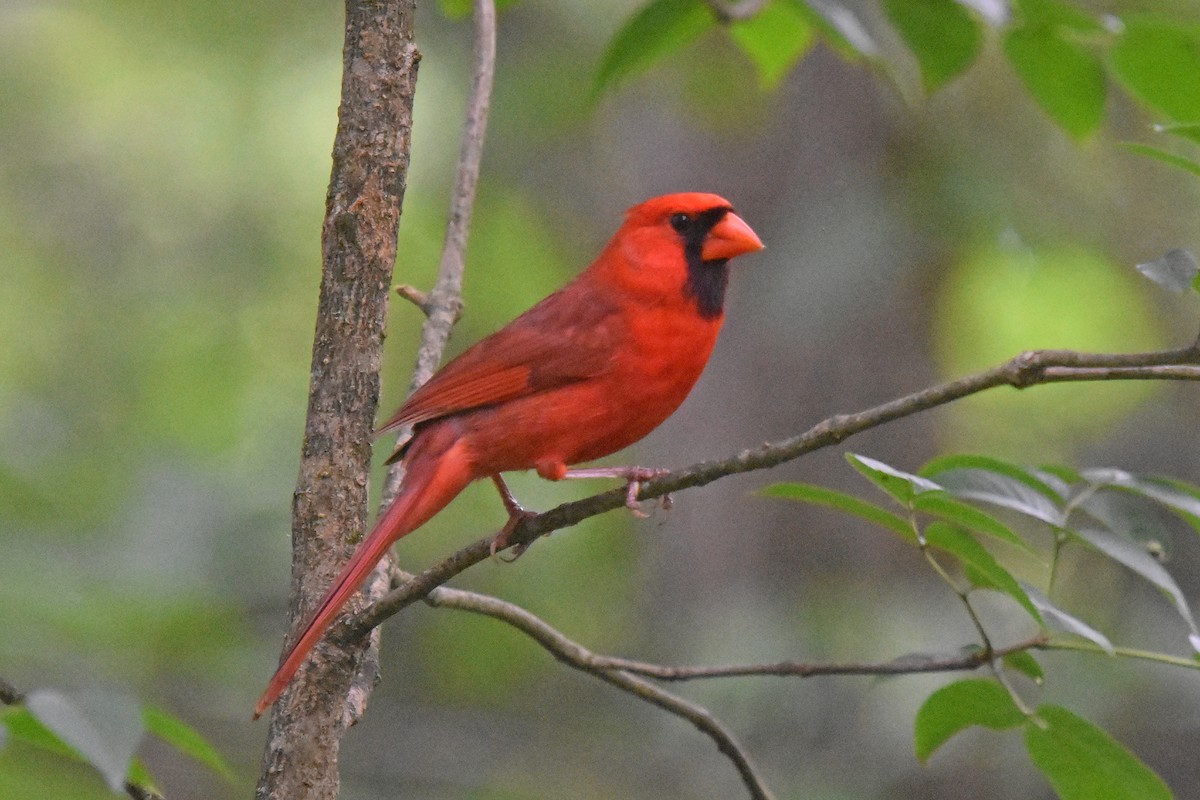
681, 222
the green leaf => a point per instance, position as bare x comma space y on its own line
1058, 480
943, 36
944, 506
1179, 497
839, 29
1053, 14
1179, 162
1083, 762
1057, 618
959, 705
987, 463
105, 728
185, 739
903, 486
1158, 62
1132, 554
1065, 79
775, 39
1064, 474
659, 29
140, 776
821, 496
1023, 661
999, 483
1117, 538
1176, 269
960, 544
23, 726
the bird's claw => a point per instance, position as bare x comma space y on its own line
631, 501
635, 476
501, 541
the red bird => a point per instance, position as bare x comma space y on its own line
586, 372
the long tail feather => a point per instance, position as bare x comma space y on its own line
432, 481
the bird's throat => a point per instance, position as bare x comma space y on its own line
706, 282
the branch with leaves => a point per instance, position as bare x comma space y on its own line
1047, 498
442, 306
1067, 57
941, 518
1028, 369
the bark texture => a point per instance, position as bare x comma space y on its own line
362, 214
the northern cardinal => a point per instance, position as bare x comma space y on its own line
589, 370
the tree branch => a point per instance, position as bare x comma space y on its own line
905, 665
624, 673
578, 657
1025, 370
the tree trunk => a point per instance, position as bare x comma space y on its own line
358, 244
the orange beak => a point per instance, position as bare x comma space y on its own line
729, 238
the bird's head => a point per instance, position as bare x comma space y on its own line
683, 243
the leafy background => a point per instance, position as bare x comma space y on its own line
161, 185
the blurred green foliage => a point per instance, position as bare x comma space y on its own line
1001, 301
162, 172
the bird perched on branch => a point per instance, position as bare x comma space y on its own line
586, 372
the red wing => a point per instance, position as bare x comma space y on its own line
570, 336
460, 392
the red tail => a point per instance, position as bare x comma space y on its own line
433, 480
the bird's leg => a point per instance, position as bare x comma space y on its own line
511, 505
633, 476
515, 514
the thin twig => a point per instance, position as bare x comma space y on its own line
1125, 652
415, 296
1025, 370
578, 657
905, 665
1152, 373
443, 304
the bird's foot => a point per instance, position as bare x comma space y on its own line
501, 541
633, 476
